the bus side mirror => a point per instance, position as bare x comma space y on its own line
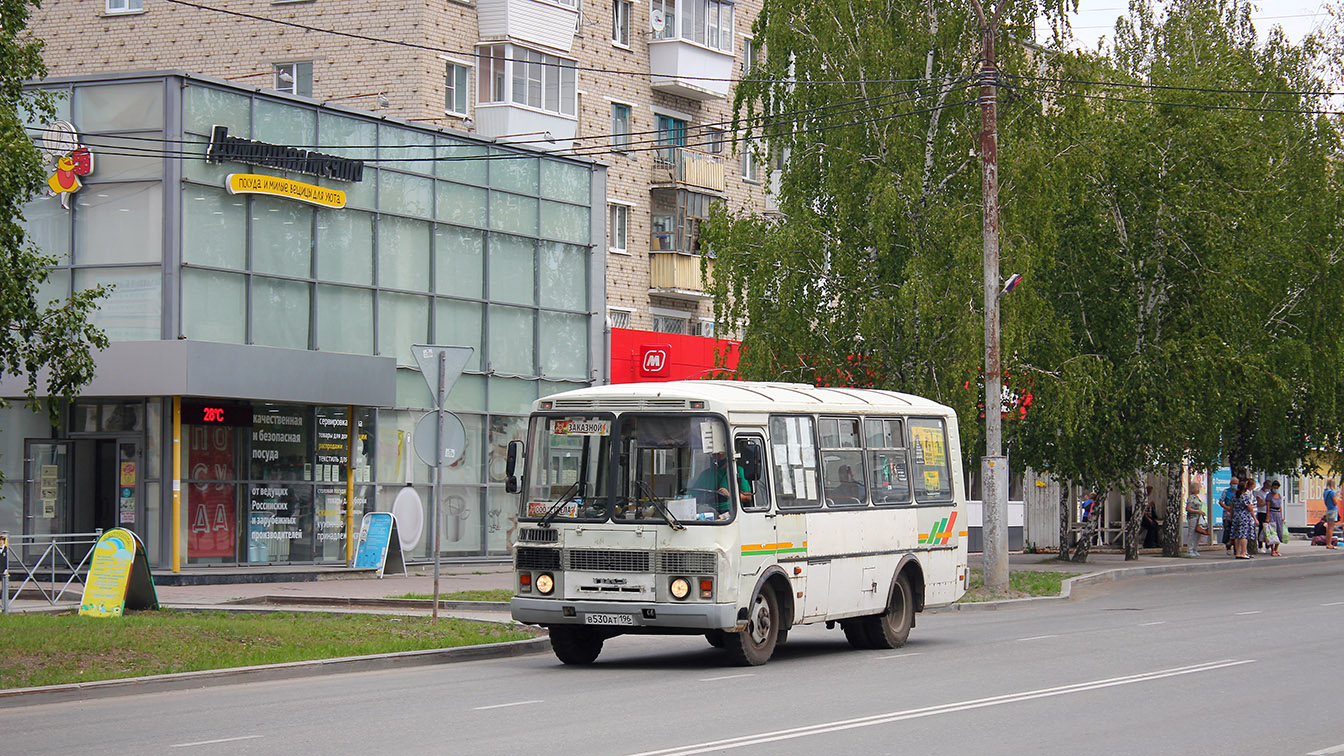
511, 467
749, 457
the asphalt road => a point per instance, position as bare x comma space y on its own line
1235, 662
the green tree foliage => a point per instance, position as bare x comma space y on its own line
1170, 200
54, 338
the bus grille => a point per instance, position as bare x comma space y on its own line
525, 558
607, 560
687, 562
539, 535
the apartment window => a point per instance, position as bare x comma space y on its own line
707, 22
455, 80
294, 78
619, 318
751, 169
510, 73
620, 22
748, 54
618, 228
125, 6
671, 324
620, 125
713, 140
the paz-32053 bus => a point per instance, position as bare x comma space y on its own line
735, 510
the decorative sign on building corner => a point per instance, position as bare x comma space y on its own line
274, 186
60, 143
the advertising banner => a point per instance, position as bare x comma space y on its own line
211, 507
119, 577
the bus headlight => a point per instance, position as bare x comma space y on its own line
680, 588
545, 583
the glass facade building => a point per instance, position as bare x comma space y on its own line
275, 334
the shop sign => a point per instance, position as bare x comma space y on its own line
60, 143
653, 359
379, 544
211, 509
118, 577
225, 148
274, 186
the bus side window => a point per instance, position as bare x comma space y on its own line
751, 458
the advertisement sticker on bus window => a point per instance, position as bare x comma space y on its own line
930, 480
928, 445
540, 508
580, 426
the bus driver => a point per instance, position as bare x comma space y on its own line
714, 479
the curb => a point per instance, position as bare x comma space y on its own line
381, 603
1121, 573
17, 697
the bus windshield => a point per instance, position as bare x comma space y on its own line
675, 468
568, 460
669, 468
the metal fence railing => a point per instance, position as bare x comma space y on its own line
54, 562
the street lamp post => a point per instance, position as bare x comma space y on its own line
993, 466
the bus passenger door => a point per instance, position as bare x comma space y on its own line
756, 522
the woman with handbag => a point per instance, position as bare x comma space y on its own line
1194, 519
1274, 530
1243, 520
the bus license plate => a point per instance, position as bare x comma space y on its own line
609, 619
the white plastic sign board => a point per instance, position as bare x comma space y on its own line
379, 545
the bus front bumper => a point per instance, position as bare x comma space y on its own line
618, 615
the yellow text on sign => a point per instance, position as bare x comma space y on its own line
253, 183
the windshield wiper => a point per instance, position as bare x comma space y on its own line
660, 505
565, 498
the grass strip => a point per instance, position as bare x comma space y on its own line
494, 594
1021, 584
44, 649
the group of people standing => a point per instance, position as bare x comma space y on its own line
1253, 515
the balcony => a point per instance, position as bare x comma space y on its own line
682, 167
677, 276
536, 128
537, 21
674, 64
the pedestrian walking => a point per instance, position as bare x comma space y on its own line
1228, 501
1331, 512
1194, 516
1243, 521
1274, 527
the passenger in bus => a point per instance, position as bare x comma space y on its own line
713, 482
849, 490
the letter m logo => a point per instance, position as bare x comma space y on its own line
655, 360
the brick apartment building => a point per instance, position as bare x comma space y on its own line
644, 87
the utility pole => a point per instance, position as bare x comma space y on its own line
993, 466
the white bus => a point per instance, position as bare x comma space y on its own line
735, 510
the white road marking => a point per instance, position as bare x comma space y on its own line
1150, 624
724, 677
1325, 751
1243, 614
501, 706
1036, 637
928, 711
1333, 603
899, 656
209, 742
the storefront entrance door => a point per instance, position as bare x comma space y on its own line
46, 490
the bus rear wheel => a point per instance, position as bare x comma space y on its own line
576, 645
715, 638
891, 628
856, 632
755, 645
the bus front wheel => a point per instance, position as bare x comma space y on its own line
576, 645
755, 645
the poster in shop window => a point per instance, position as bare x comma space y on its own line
211, 506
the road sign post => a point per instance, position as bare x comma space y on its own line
445, 429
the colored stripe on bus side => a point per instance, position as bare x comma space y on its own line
772, 548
